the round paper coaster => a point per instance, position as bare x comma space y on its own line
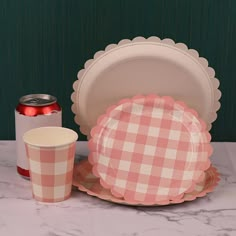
87, 182
149, 149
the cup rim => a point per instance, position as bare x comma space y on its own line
26, 138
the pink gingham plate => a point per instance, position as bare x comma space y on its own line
150, 149
87, 182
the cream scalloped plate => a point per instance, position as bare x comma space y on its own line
85, 181
144, 66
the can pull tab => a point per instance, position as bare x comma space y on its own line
37, 101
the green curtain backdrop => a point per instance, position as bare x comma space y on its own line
44, 43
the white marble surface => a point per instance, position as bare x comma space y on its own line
213, 215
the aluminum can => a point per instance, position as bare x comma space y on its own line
33, 111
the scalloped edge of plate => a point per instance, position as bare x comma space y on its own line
166, 41
211, 181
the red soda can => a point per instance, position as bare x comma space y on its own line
33, 111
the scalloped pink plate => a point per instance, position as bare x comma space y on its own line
87, 182
149, 149
144, 66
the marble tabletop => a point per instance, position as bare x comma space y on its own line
212, 215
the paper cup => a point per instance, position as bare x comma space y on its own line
51, 151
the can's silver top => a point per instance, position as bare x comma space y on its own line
37, 100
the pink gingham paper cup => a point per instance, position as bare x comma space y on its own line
51, 151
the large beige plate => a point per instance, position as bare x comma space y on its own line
144, 66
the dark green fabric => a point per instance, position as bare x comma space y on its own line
44, 43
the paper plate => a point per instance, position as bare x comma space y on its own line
149, 149
87, 182
144, 66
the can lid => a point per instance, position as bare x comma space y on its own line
37, 100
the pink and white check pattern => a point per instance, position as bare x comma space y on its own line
149, 149
85, 181
51, 171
